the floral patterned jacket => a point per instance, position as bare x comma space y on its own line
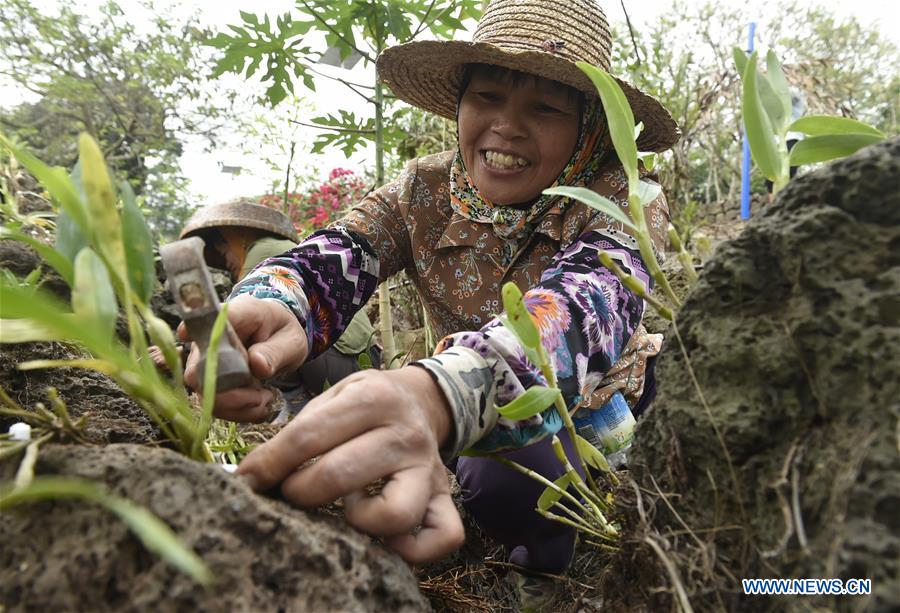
589, 322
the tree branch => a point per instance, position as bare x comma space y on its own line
631, 32
315, 16
352, 86
423, 22
335, 128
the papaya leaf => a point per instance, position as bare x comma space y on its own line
823, 125
830, 147
138, 246
550, 496
535, 399
593, 200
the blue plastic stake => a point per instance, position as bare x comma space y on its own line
745, 166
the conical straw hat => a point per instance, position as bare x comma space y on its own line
540, 37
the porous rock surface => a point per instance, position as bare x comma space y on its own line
265, 556
793, 331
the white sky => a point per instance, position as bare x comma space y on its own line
209, 184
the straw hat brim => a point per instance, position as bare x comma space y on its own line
428, 74
241, 214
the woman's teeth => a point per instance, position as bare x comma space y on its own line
503, 160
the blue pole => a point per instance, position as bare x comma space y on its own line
745, 167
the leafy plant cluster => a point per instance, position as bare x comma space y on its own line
766, 106
317, 206
104, 253
353, 28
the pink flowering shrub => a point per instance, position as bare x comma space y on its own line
318, 206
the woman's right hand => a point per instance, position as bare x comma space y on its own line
275, 342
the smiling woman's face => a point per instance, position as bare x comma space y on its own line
516, 135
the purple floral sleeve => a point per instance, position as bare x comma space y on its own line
324, 280
586, 317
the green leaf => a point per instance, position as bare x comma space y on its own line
530, 352
155, 535
69, 237
771, 102
93, 297
780, 87
519, 318
740, 60
592, 456
535, 400
101, 204
550, 496
760, 133
619, 117
138, 246
211, 369
54, 258
830, 147
595, 201
648, 160
822, 125
26, 331
648, 192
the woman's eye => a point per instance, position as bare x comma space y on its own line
488, 96
546, 108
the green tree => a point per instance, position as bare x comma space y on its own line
361, 27
138, 90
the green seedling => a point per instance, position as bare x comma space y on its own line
586, 512
104, 251
624, 133
766, 106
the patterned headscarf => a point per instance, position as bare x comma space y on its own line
512, 223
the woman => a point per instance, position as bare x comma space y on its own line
462, 224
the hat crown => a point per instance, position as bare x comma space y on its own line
576, 30
243, 213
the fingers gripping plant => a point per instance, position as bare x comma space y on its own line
766, 106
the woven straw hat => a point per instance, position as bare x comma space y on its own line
540, 37
242, 212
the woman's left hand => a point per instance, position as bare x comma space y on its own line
371, 425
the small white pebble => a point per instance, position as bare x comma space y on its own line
20, 431
229, 468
